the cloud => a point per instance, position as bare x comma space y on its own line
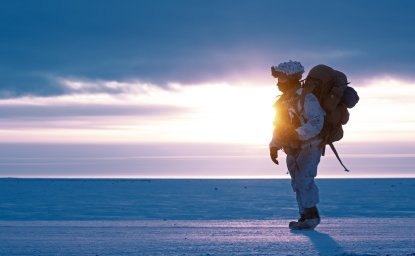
162, 42
77, 86
92, 105
61, 114
16, 83
140, 112
90, 99
35, 112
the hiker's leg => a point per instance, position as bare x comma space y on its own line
307, 162
293, 169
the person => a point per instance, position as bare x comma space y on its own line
297, 124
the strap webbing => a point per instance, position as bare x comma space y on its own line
337, 156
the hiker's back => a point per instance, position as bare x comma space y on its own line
330, 86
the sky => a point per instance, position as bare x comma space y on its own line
192, 75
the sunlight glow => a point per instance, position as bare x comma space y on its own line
220, 112
214, 113
384, 112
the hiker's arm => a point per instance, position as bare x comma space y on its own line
276, 141
314, 115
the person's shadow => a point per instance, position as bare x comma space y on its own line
323, 243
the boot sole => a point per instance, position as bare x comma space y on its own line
306, 225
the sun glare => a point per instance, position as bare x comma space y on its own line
220, 113
225, 113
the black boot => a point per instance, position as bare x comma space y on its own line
311, 213
308, 220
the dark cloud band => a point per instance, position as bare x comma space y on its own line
194, 41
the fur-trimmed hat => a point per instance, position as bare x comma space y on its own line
292, 69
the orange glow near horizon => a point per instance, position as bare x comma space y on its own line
217, 113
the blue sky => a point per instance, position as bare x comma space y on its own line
194, 71
197, 41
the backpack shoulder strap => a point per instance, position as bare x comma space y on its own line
337, 156
309, 89
306, 90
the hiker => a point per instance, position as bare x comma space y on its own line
297, 124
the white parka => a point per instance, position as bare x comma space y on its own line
311, 119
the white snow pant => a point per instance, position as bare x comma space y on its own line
303, 169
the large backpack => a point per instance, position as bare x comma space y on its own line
331, 88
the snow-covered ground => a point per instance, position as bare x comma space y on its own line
335, 236
202, 217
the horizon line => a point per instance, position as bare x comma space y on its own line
204, 177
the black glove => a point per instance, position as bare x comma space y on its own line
273, 153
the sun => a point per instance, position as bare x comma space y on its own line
230, 113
